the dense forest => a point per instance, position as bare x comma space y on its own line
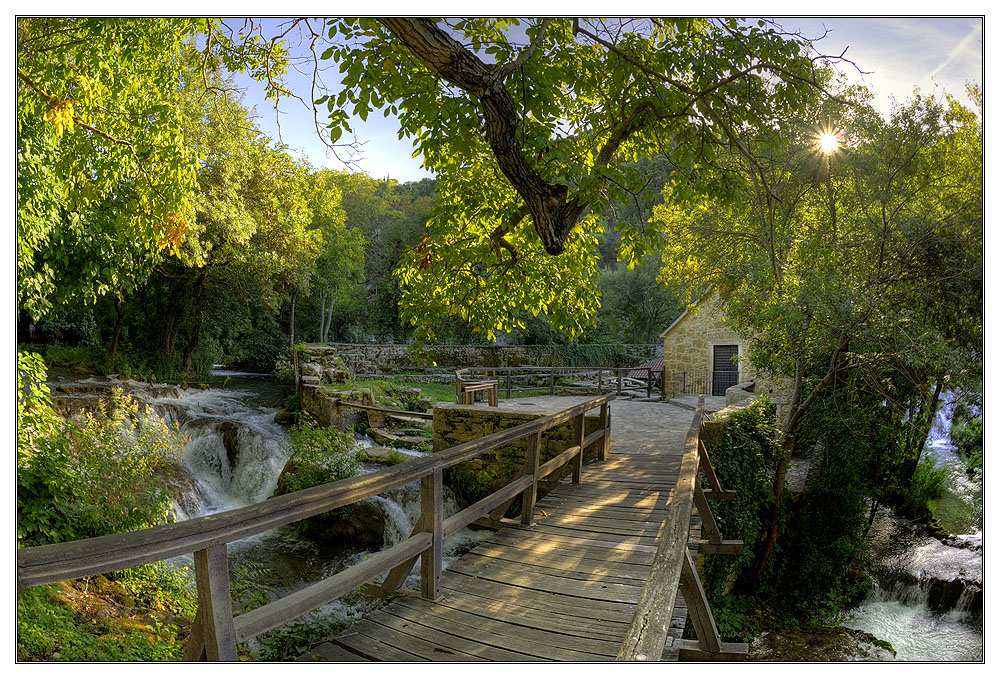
589, 183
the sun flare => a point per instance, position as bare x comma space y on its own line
828, 142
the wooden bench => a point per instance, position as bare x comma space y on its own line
465, 389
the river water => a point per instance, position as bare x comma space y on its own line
233, 458
928, 603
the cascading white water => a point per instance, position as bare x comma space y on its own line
243, 472
930, 606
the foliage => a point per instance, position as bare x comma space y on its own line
745, 459
862, 267
292, 640
319, 455
48, 629
635, 306
96, 478
103, 172
531, 148
967, 436
926, 486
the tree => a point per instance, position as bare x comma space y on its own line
248, 232
860, 268
531, 141
635, 306
341, 262
105, 173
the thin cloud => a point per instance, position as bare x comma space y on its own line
975, 34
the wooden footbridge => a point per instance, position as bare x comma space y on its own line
601, 568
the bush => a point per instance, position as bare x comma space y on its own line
745, 460
926, 486
96, 478
319, 455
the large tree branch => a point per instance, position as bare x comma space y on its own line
554, 215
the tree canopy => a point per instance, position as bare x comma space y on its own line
532, 139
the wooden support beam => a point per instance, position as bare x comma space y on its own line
707, 518
723, 547
706, 467
432, 511
719, 495
530, 494
698, 608
194, 651
399, 572
607, 433
215, 603
578, 427
688, 650
603, 423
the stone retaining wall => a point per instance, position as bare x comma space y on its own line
477, 478
363, 358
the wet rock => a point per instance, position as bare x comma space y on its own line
284, 417
823, 645
387, 438
360, 525
230, 433
380, 455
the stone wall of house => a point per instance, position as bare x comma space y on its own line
688, 345
477, 478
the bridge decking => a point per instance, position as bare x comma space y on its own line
564, 588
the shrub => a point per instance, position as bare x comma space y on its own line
319, 455
99, 477
926, 486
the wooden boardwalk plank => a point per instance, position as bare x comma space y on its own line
563, 588
544, 643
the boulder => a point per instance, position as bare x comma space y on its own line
230, 433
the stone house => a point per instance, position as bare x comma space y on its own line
703, 355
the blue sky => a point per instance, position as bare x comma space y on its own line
897, 54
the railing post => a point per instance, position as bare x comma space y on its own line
619, 371
552, 382
215, 604
663, 385
578, 441
600, 381
432, 513
531, 493
604, 423
649, 382
508, 384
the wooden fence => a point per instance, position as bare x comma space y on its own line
216, 632
570, 379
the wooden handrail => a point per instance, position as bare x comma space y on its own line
207, 536
674, 568
647, 635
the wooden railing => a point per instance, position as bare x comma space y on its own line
216, 632
674, 567
521, 379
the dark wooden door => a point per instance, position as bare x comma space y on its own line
725, 372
